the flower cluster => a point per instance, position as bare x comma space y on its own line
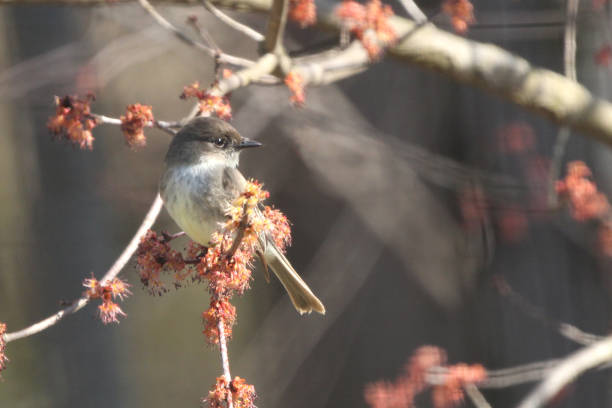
586, 202
226, 265
581, 192
136, 117
447, 392
115, 288
73, 121
242, 394
155, 255
369, 23
303, 12
461, 13
218, 105
219, 311
3, 358
295, 83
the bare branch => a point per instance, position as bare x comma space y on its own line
225, 360
569, 64
223, 58
276, 26
476, 396
567, 330
264, 66
236, 25
114, 270
567, 371
168, 127
414, 11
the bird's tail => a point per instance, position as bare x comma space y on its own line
301, 296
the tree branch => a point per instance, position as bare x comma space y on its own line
236, 25
567, 371
276, 26
569, 66
223, 58
487, 66
225, 360
114, 270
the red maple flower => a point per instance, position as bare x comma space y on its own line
209, 103
115, 288
136, 117
155, 255
447, 393
73, 121
219, 311
461, 13
295, 83
581, 192
303, 12
369, 23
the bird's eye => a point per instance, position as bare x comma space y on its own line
220, 142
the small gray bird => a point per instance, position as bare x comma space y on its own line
200, 182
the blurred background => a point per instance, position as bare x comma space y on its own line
376, 174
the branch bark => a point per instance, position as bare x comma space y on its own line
114, 270
567, 371
487, 66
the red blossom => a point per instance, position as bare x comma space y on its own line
461, 13
303, 12
243, 394
295, 83
279, 229
401, 393
136, 117
219, 310
218, 105
3, 358
115, 288
155, 255
450, 393
369, 23
73, 121
577, 188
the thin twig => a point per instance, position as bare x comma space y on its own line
168, 127
569, 67
114, 270
236, 25
276, 26
161, 20
567, 330
225, 360
476, 396
414, 11
567, 371
204, 35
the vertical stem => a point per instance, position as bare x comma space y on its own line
225, 360
276, 26
569, 67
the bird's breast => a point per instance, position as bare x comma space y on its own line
193, 196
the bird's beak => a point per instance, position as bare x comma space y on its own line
248, 143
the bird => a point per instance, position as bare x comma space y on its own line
199, 183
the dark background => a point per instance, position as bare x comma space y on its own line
378, 231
